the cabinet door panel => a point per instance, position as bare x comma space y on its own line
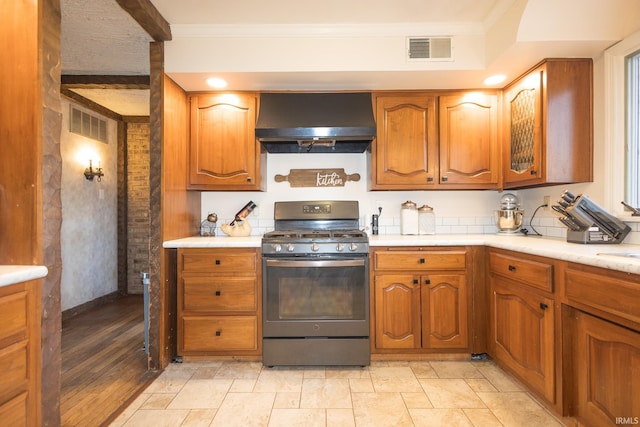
469, 139
444, 311
397, 311
523, 334
523, 155
405, 147
607, 362
223, 150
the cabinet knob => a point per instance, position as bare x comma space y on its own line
543, 306
217, 262
533, 172
422, 261
429, 179
415, 281
512, 267
248, 179
445, 178
427, 282
218, 333
218, 293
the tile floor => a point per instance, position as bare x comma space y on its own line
436, 393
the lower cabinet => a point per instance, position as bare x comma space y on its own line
522, 334
425, 308
522, 319
605, 358
20, 354
218, 302
601, 328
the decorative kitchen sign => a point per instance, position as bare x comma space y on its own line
317, 177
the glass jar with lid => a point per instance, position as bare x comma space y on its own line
426, 220
409, 218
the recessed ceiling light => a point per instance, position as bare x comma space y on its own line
216, 82
494, 80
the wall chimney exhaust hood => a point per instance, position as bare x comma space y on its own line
315, 122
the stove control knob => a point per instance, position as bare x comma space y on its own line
339, 247
277, 248
315, 247
290, 247
353, 247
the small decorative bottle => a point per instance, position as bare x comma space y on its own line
426, 220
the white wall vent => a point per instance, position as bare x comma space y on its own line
429, 48
88, 125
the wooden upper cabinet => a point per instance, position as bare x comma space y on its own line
224, 153
548, 125
411, 152
404, 153
468, 143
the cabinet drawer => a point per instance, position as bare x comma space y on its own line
13, 318
16, 412
533, 273
611, 294
214, 261
219, 333
13, 370
218, 293
420, 260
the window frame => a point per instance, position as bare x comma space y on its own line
615, 123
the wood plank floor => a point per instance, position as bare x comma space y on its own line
104, 365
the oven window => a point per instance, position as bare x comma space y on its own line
309, 293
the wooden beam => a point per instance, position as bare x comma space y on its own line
104, 82
146, 14
90, 104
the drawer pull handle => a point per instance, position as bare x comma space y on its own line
415, 281
217, 293
512, 268
422, 261
217, 262
543, 306
218, 333
427, 282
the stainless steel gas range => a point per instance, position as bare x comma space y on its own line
315, 286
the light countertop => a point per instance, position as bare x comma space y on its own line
595, 255
12, 274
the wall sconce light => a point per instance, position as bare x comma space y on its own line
90, 172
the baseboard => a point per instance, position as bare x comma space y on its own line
89, 305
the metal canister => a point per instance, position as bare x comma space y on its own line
409, 218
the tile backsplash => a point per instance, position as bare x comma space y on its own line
547, 226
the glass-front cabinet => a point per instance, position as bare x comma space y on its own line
524, 122
548, 126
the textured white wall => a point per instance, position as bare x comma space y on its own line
89, 217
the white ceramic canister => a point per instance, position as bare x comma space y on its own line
426, 220
409, 218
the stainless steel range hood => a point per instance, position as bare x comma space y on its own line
315, 122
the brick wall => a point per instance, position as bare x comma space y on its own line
137, 205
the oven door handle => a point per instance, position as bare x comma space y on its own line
301, 263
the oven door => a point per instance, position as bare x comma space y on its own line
316, 297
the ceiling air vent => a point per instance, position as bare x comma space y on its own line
429, 48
